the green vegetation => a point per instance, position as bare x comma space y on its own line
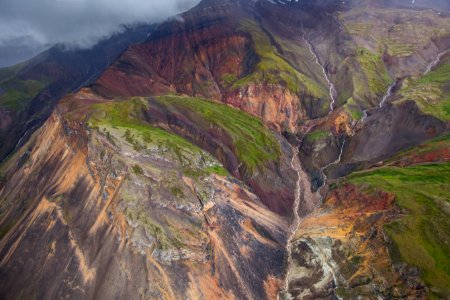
273, 68
356, 114
9, 72
219, 170
177, 192
229, 79
430, 92
396, 32
252, 142
165, 239
18, 93
317, 136
125, 117
375, 72
440, 143
137, 170
359, 28
422, 237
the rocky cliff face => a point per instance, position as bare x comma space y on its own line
128, 221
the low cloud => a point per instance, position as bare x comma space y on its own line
29, 26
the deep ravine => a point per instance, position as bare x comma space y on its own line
304, 199
295, 164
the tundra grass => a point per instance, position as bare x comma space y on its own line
18, 93
253, 143
431, 92
422, 236
126, 116
273, 68
317, 136
375, 72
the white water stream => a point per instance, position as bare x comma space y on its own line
338, 160
383, 100
295, 164
302, 192
332, 89
435, 61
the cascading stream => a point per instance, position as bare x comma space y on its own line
388, 94
302, 192
383, 100
435, 61
338, 160
332, 89
295, 164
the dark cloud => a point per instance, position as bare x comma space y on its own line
29, 26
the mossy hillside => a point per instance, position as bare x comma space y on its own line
125, 117
422, 236
298, 54
370, 81
273, 68
359, 28
400, 43
317, 135
398, 32
9, 72
16, 94
431, 92
395, 32
253, 143
375, 72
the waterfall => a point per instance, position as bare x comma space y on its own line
332, 89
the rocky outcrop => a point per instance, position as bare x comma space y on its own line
273, 180
390, 129
384, 132
342, 251
86, 215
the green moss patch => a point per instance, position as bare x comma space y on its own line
375, 72
18, 93
273, 68
431, 92
421, 237
126, 117
317, 136
253, 143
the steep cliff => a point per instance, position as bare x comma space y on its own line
122, 208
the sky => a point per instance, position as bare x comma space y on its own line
28, 27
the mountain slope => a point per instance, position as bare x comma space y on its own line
244, 150
30, 90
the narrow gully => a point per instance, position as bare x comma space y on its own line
302, 192
295, 164
435, 61
324, 168
332, 89
386, 96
